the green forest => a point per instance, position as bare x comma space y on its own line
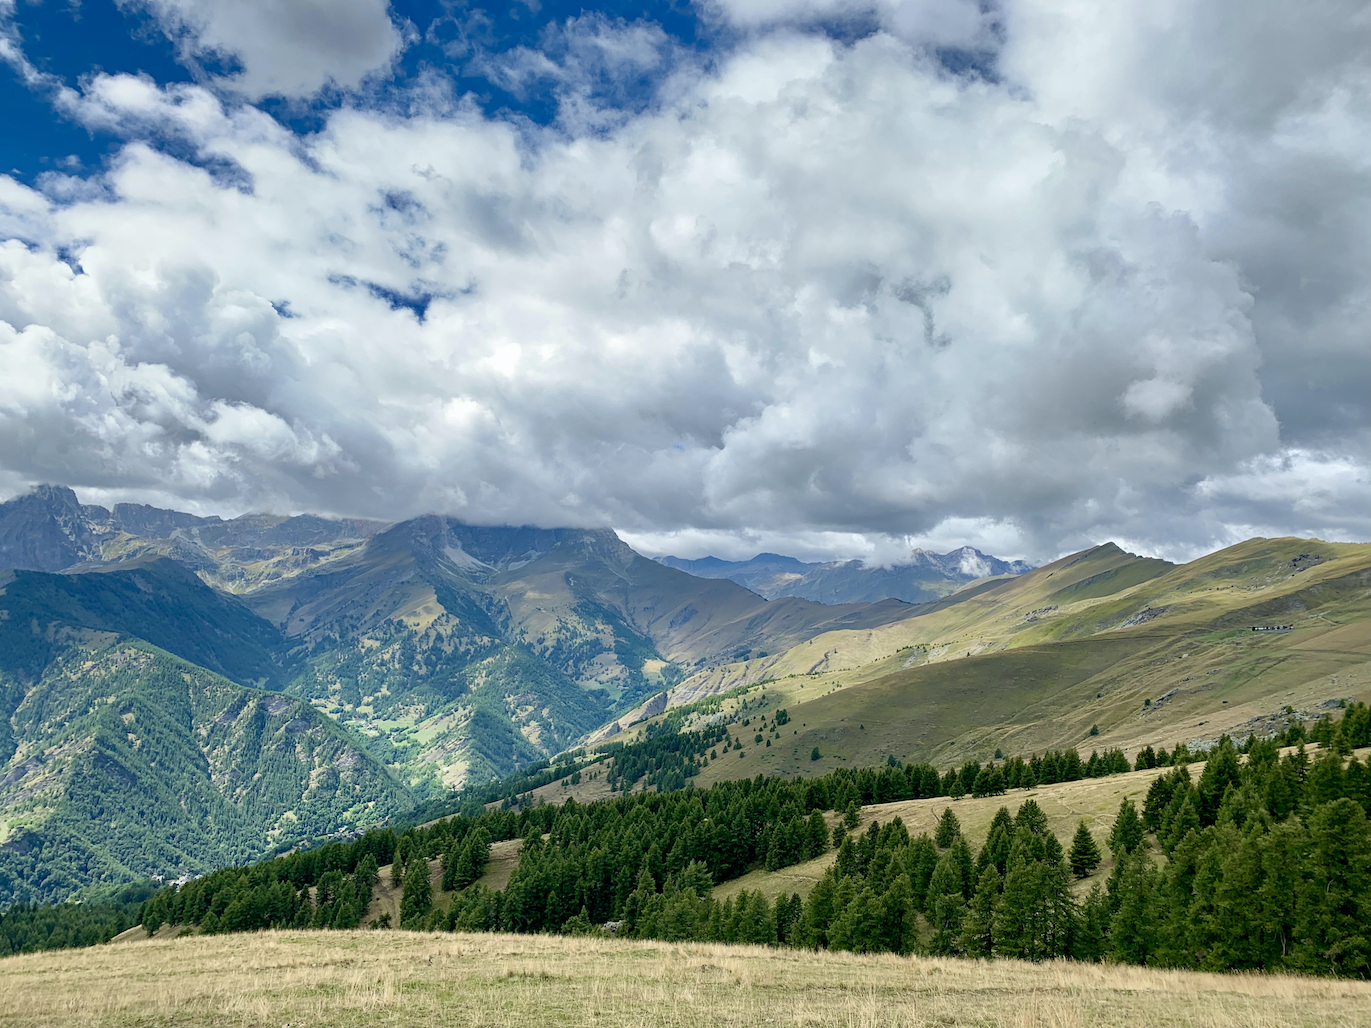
1267, 865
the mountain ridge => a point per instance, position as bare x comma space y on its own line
923, 577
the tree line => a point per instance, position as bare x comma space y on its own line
644, 864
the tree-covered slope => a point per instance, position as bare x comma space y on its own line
472, 651
157, 600
126, 762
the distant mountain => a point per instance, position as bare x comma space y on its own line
767, 574
475, 650
922, 578
48, 529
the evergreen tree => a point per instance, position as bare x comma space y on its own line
1333, 934
1220, 771
978, 928
1089, 941
1133, 932
960, 855
417, 899
948, 829
1184, 821
1085, 855
1127, 835
1031, 816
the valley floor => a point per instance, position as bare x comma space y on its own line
402, 979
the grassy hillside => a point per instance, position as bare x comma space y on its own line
1145, 652
406, 978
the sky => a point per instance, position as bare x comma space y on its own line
821, 277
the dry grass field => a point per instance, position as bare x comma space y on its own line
299, 979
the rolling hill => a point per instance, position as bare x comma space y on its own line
1144, 651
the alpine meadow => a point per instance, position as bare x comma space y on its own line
698, 513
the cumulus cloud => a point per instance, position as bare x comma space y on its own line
818, 296
963, 24
289, 48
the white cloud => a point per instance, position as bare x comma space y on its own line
965, 24
830, 295
289, 48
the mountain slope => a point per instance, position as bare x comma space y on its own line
156, 600
476, 650
1148, 652
122, 761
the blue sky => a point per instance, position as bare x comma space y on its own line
71, 39
823, 277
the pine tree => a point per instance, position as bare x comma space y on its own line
1089, 941
1133, 931
1085, 855
1182, 823
1128, 829
816, 836
417, 899
851, 815
1220, 771
1332, 935
978, 934
948, 829
1031, 816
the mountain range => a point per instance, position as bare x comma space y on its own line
282, 678
179, 693
921, 578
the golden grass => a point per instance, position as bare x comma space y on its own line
298, 979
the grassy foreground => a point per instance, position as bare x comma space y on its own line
300, 979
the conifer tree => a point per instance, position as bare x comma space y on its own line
1090, 938
816, 836
417, 899
1332, 933
946, 904
1133, 932
1085, 855
1220, 771
1184, 821
960, 854
978, 935
1128, 829
1031, 816
948, 829
851, 815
